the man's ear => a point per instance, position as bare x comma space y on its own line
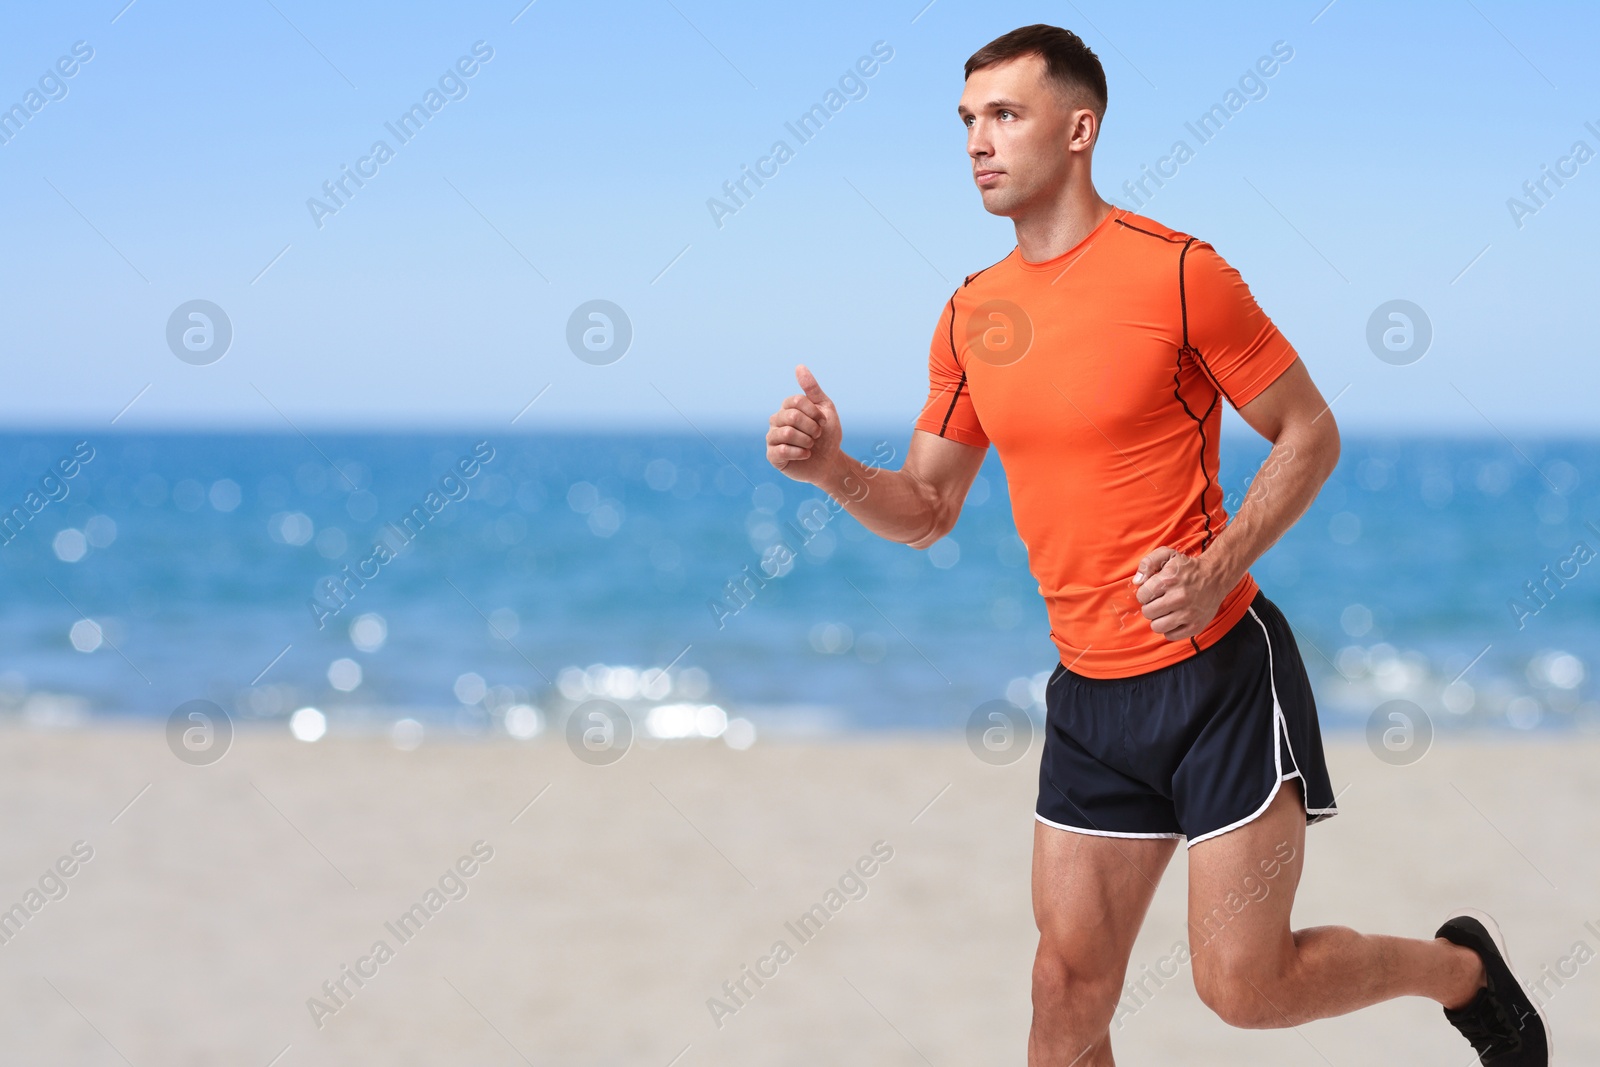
1082, 139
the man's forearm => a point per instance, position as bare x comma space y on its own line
1284, 487
895, 505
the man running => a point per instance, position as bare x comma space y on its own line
1096, 357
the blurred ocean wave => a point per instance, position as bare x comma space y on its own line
249, 570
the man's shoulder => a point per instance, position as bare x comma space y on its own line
1162, 238
1151, 249
979, 279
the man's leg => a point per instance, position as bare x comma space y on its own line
1090, 895
1254, 971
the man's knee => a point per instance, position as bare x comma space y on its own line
1240, 994
1066, 976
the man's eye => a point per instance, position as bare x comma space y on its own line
967, 122
1007, 114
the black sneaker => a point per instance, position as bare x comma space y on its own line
1502, 1022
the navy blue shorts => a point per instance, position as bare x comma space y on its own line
1193, 749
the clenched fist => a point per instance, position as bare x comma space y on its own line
803, 441
1180, 594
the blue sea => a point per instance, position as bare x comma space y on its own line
171, 567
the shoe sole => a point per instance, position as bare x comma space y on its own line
1500, 946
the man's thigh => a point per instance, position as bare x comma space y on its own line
1090, 896
1241, 890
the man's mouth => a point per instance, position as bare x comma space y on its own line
986, 178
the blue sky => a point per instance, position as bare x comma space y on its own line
577, 163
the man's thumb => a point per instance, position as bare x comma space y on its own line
808, 383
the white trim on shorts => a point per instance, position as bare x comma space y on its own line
1097, 833
1278, 720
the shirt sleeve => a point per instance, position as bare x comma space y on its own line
1238, 345
949, 411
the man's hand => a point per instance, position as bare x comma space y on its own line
804, 438
1180, 593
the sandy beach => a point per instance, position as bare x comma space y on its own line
593, 925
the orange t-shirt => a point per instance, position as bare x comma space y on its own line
1097, 376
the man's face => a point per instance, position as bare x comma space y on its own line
1019, 128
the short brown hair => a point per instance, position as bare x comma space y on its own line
1070, 63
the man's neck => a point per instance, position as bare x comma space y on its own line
1055, 228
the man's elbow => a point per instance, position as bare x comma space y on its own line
1327, 442
941, 521
1313, 440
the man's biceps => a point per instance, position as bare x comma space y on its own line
943, 460
940, 449
955, 481
1291, 398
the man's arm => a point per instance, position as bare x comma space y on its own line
1181, 594
915, 505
